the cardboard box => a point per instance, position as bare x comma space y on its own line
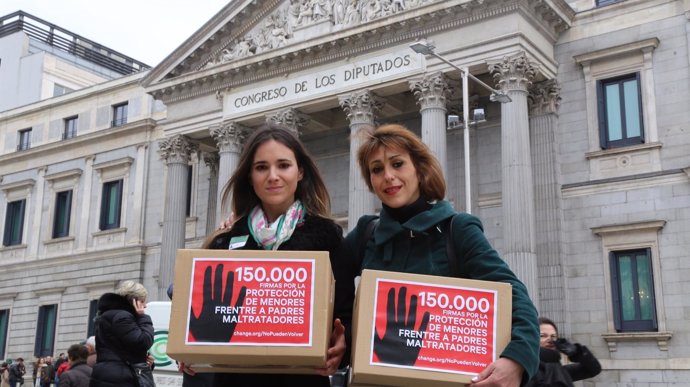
414, 330
280, 323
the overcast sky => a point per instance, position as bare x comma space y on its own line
146, 30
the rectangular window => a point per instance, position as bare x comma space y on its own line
45, 330
189, 191
70, 128
4, 323
111, 205
91, 324
119, 114
634, 305
63, 209
14, 223
24, 142
620, 111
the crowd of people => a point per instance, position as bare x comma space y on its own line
117, 356
280, 202
68, 370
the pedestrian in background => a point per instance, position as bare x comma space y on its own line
91, 347
17, 372
58, 363
37, 372
551, 372
79, 373
48, 372
4, 375
62, 368
124, 334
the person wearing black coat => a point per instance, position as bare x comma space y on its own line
281, 203
551, 372
17, 371
124, 334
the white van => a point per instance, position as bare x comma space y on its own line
165, 373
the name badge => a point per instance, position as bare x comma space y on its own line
237, 242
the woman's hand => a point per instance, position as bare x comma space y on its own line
503, 372
227, 223
336, 351
150, 360
139, 306
182, 367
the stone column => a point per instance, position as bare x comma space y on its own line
514, 74
175, 152
544, 99
360, 108
34, 234
136, 229
430, 93
212, 161
83, 227
229, 137
290, 119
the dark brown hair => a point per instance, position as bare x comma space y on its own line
544, 320
432, 186
77, 352
311, 190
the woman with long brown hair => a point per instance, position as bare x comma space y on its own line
280, 202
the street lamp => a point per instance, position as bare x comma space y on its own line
427, 48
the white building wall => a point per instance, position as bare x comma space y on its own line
590, 202
12, 49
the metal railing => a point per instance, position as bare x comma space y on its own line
23, 145
118, 122
69, 42
69, 133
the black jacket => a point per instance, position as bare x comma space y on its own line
313, 234
552, 374
122, 336
78, 375
16, 373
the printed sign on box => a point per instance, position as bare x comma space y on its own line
437, 328
427, 329
272, 306
252, 311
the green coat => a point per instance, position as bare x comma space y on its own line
419, 246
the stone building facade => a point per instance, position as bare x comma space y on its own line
582, 180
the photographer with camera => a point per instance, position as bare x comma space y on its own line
551, 372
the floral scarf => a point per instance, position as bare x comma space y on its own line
271, 236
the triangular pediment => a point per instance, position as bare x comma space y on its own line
270, 36
229, 23
244, 29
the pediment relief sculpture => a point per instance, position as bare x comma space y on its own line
279, 28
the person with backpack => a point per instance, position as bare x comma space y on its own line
417, 228
64, 366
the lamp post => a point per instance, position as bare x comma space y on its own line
427, 48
